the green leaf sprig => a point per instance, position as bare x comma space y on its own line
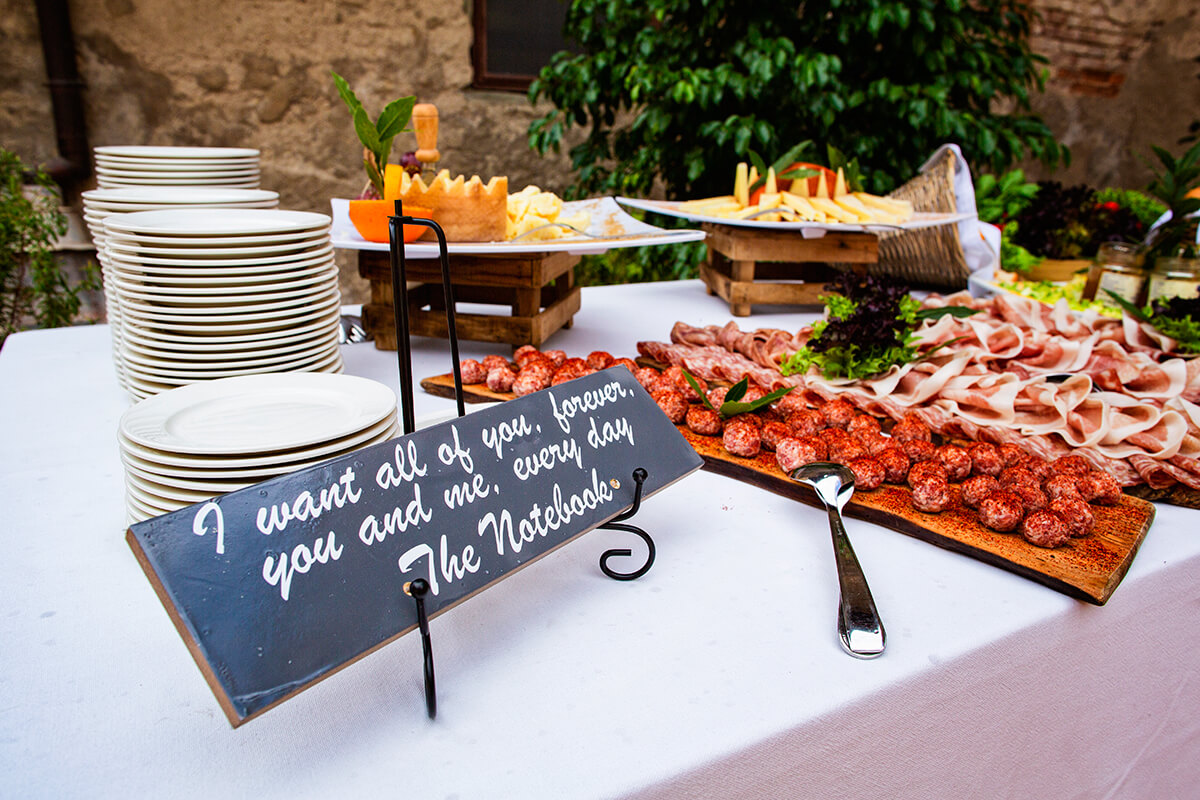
870, 326
1177, 317
376, 136
733, 405
782, 163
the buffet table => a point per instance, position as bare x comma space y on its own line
717, 674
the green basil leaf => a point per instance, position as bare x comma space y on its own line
395, 117
687, 376
1129, 307
366, 131
737, 391
348, 97
952, 311
792, 155
730, 409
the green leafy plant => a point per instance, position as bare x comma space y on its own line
781, 164
1172, 184
870, 326
376, 136
733, 405
33, 285
1177, 317
674, 93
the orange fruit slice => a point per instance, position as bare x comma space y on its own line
370, 218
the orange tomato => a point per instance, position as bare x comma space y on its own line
1194, 193
370, 218
786, 184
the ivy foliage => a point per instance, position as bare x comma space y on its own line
673, 93
32, 283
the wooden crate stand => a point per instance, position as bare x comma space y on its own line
539, 289
744, 268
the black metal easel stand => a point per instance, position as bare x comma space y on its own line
618, 524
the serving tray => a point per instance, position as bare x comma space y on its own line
1089, 568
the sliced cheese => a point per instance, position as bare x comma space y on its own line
832, 209
851, 203
890, 205
741, 184
802, 207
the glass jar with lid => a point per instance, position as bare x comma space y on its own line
1174, 276
1118, 268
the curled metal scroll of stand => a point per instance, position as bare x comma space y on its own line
618, 524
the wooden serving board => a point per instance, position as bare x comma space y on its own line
1088, 568
443, 386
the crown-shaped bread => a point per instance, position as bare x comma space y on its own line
467, 210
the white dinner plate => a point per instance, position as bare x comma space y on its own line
114, 183
218, 241
233, 341
225, 310
176, 172
151, 351
134, 270
161, 151
211, 327
178, 289
200, 469
278, 258
269, 355
217, 222
259, 416
310, 361
293, 249
171, 197
219, 283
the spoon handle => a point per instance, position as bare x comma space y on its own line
859, 627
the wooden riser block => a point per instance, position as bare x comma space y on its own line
746, 244
533, 329
531, 271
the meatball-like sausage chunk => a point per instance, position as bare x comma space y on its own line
911, 429
931, 495
1071, 465
1011, 476
923, 470
843, 448
773, 433
673, 405
703, 421
792, 453
491, 362
806, 421
837, 413
557, 357
978, 487
1001, 511
863, 423
817, 446
917, 449
956, 460
895, 464
1012, 454
599, 359
741, 439
868, 473
1062, 485
985, 459
1076, 513
472, 371
716, 396
1032, 496
1045, 529
646, 376
500, 379
1099, 488
524, 353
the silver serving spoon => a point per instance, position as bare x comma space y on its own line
859, 626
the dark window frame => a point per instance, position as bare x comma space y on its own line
482, 78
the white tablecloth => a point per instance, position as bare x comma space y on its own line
718, 674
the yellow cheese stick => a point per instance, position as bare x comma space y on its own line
899, 208
832, 209
802, 207
851, 203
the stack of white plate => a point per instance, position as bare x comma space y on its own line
195, 442
209, 293
99, 204
138, 165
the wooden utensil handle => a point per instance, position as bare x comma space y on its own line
425, 123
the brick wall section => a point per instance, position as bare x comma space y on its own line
1090, 50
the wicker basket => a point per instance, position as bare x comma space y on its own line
930, 257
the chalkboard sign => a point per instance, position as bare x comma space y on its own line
275, 586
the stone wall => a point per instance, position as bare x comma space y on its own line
1123, 75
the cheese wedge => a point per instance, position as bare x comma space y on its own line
832, 209
890, 205
802, 207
